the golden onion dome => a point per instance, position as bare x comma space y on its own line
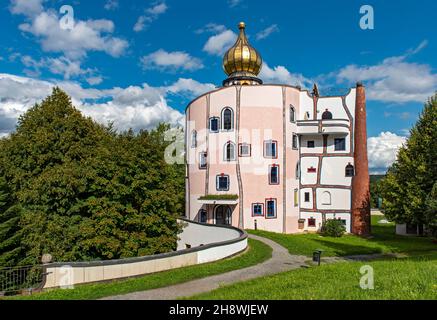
242, 59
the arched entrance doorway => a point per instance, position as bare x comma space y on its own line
223, 215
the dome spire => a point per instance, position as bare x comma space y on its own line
242, 63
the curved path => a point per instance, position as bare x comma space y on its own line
281, 261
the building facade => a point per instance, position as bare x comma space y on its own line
275, 157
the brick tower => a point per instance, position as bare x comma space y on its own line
361, 180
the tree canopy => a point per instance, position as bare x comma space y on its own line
410, 188
84, 191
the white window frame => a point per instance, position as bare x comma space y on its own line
223, 119
203, 155
225, 152
218, 124
271, 142
217, 184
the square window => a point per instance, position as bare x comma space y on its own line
311, 144
271, 208
222, 183
244, 150
214, 124
274, 174
311, 222
257, 209
307, 197
340, 144
270, 149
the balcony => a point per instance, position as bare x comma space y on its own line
229, 199
315, 127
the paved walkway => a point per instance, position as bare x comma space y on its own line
281, 261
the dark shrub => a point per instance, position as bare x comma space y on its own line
333, 228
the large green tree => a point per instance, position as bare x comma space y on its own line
10, 248
409, 191
86, 191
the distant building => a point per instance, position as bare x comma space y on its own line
275, 155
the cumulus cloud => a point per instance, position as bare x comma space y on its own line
90, 35
267, 32
151, 14
219, 43
394, 79
382, 151
136, 107
171, 61
280, 74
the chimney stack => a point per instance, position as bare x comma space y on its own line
361, 180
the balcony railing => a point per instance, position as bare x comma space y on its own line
328, 126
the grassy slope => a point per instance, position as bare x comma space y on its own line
257, 253
400, 279
383, 240
409, 278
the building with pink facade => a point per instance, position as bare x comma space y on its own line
274, 156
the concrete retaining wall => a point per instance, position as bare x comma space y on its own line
208, 243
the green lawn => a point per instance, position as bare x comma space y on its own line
414, 278
383, 240
257, 253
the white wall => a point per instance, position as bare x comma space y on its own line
308, 162
334, 171
218, 243
340, 199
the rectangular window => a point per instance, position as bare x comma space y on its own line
202, 160
296, 197
214, 124
222, 183
244, 150
257, 209
310, 144
270, 149
340, 144
307, 197
270, 208
311, 222
295, 141
274, 174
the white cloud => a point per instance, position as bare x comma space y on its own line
171, 61
394, 79
267, 32
382, 151
219, 43
211, 28
234, 3
136, 107
189, 87
90, 35
111, 5
28, 8
94, 80
280, 74
151, 14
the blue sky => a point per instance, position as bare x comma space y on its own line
139, 62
